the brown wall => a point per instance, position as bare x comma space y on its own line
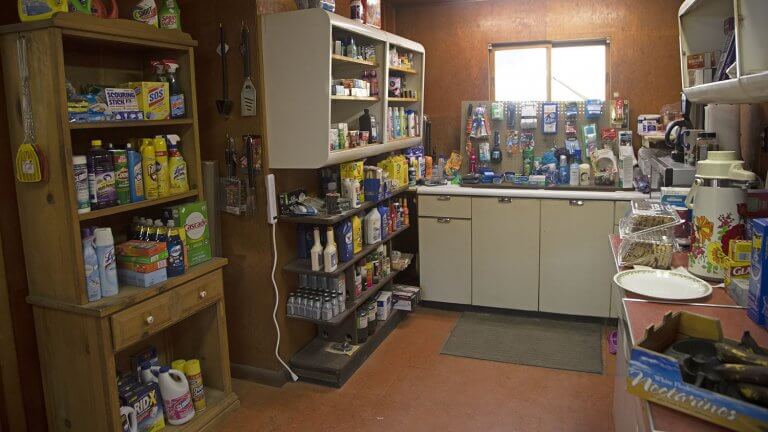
644, 62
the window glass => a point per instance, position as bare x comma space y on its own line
520, 74
578, 72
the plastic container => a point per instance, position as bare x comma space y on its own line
175, 251
91, 263
652, 249
101, 177
161, 160
647, 216
105, 252
135, 176
177, 400
80, 169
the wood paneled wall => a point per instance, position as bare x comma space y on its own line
644, 62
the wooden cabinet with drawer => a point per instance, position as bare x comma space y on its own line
201, 292
142, 320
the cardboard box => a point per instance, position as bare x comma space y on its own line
383, 305
139, 248
122, 104
656, 377
758, 285
146, 401
143, 268
153, 99
194, 218
738, 289
405, 297
142, 280
143, 259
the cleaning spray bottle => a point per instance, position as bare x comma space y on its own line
35, 10
135, 178
177, 166
178, 106
149, 168
170, 15
105, 252
161, 160
91, 262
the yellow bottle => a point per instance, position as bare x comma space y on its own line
177, 166
178, 365
161, 159
149, 168
195, 379
357, 234
35, 10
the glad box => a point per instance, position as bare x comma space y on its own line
656, 377
758, 285
152, 98
194, 218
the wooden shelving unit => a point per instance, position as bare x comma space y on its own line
345, 59
83, 345
333, 219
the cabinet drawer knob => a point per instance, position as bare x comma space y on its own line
505, 200
149, 319
576, 203
203, 294
443, 198
444, 220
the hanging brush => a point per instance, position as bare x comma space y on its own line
28, 166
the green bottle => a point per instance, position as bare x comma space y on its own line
170, 15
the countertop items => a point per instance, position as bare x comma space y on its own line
530, 193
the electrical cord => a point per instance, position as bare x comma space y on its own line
294, 377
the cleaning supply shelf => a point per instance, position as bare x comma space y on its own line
355, 98
400, 99
403, 70
351, 306
95, 214
304, 265
217, 403
130, 124
332, 219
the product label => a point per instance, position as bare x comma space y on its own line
138, 180
176, 256
178, 108
145, 13
81, 186
179, 407
195, 226
105, 187
169, 21
197, 390
179, 175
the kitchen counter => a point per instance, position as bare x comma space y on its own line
526, 192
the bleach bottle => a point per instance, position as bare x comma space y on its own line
177, 400
105, 252
91, 262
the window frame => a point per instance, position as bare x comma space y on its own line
548, 45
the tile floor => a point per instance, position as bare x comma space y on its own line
407, 385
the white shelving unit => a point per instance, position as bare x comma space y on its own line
299, 65
701, 24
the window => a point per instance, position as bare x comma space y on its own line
554, 71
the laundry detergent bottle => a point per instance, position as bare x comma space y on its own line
177, 400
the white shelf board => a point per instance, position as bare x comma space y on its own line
747, 89
341, 156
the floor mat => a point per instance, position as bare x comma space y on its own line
557, 343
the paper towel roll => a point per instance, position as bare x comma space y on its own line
723, 119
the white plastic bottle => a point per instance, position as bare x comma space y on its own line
105, 252
330, 254
573, 175
316, 253
372, 227
177, 400
149, 373
91, 262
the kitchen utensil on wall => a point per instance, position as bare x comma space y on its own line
718, 189
233, 191
248, 92
29, 168
247, 162
223, 105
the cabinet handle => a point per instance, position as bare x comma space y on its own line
443, 198
576, 203
444, 220
149, 319
505, 200
203, 294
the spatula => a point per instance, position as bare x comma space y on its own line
248, 92
28, 169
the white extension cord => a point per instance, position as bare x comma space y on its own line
294, 377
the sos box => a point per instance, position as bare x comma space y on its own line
152, 98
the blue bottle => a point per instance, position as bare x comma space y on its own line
175, 252
91, 262
135, 176
344, 243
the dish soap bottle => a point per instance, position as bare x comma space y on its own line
170, 15
330, 254
177, 166
175, 251
178, 106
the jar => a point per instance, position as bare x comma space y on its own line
362, 325
705, 142
356, 10
371, 317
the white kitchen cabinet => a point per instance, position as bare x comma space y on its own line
576, 264
505, 253
444, 261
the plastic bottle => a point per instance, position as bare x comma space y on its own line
177, 101
175, 251
384, 212
169, 16
160, 75
91, 263
573, 174
352, 48
584, 174
177, 400
161, 162
178, 364
149, 168
403, 123
330, 253
563, 169
406, 220
161, 232
145, 11
122, 183
374, 135
395, 123
195, 379
411, 123
135, 177
344, 239
372, 227
316, 253
357, 234
148, 372
35, 10
177, 167
101, 177
80, 170
105, 252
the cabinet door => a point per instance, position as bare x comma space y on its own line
444, 262
505, 253
576, 261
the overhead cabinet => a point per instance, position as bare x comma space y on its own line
299, 64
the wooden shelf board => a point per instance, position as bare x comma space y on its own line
217, 404
345, 59
332, 219
94, 214
304, 265
355, 98
314, 364
130, 295
399, 99
351, 306
130, 124
402, 69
